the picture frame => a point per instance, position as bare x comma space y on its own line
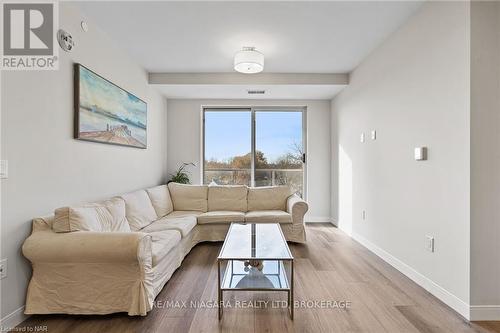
107, 113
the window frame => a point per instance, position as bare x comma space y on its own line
253, 110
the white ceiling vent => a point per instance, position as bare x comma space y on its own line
256, 92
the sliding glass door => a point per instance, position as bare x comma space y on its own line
227, 146
256, 147
279, 153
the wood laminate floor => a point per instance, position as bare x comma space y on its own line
330, 267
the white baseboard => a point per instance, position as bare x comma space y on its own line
444, 295
13, 319
484, 312
317, 219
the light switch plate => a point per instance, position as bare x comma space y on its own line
4, 169
362, 137
430, 243
374, 135
420, 153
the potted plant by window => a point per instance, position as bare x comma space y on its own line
181, 176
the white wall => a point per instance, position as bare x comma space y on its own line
184, 143
414, 90
485, 160
47, 167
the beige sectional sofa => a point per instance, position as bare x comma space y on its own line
116, 255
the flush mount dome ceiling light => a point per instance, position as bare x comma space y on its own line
249, 61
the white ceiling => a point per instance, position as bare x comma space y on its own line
295, 36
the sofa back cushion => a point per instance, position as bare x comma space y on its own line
268, 197
139, 209
160, 199
230, 198
104, 216
189, 197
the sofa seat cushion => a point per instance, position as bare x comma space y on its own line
163, 242
184, 225
269, 216
221, 217
140, 210
189, 197
228, 197
183, 213
103, 216
268, 197
160, 199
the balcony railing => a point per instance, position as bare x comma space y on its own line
263, 177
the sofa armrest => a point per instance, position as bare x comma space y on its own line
87, 247
297, 208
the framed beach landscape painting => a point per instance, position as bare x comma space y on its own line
107, 113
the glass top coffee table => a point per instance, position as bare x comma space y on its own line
255, 257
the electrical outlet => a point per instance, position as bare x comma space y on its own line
363, 215
362, 137
3, 268
374, 135
429, 243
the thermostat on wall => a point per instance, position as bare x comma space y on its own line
420, 153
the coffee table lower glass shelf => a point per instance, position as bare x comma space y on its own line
242, 268
243, 276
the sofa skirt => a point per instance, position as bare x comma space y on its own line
104, 288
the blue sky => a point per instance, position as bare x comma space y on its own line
228, 134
